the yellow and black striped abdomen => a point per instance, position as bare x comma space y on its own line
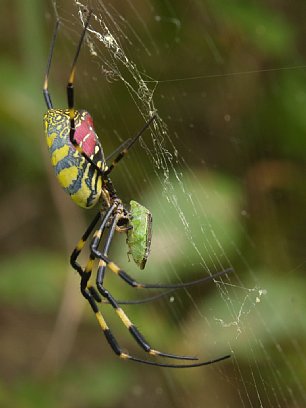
77, 177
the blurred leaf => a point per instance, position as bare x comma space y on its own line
4, 395
32, 279
78, 386
293, 102
269, 31
281, 114
96, 385
21, 124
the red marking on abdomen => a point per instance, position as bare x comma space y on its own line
85, 135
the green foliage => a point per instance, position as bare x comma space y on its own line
266, 28
33, 280
76, 387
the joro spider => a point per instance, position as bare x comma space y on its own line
82, 170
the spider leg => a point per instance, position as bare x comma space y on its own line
117, 349
92, 298
86, 273
168, 292
200, 364
102, 266
80, 245
87, 293
70, 88
118, 149
135, 332
122, 315
124, 318
141, 301
70, 98
132, 282
135, 284
99, 282
46, 93
126, 148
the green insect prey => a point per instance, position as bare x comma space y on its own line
140, 234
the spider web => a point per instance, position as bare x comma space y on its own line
199, 215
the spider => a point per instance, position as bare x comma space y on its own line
84, 173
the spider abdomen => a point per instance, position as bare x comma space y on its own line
75, 174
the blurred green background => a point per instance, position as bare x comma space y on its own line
232, 92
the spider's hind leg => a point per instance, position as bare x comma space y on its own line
119, 352
93, 297
138, 337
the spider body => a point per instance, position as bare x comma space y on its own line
84, 173
75, 174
